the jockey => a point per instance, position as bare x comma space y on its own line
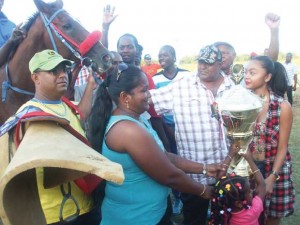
49, 74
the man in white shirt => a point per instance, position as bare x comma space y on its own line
291, 70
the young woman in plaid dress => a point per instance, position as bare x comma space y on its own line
271, 135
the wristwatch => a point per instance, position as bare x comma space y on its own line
204, 170
275, 174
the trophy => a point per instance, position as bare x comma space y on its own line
239, 108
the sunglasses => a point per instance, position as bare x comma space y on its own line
58, 70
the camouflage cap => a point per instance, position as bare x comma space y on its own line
210, 54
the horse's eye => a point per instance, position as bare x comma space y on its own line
67, 26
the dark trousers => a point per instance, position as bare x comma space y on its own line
194, 209
166, 219
289, 94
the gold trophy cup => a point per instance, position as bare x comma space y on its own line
239, 109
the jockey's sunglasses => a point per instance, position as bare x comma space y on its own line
57, 70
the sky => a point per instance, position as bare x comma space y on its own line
187, 25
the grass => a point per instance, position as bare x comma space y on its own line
294, 144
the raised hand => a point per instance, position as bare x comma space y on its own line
272, 20
108, 15
18, 34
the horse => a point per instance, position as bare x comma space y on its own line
51, 27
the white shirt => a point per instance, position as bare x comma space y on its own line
198, 135
291, 70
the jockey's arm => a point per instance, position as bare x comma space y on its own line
16, 37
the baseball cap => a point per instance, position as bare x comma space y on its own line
147, 56
46, 60
210, 54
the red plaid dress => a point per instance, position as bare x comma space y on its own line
281, 202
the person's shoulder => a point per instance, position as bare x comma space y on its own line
286, 106
159, 73
119, 123
4, 18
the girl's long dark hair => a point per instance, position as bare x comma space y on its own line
278, 82
107, 93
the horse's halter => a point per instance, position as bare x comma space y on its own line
62, 37
59, 34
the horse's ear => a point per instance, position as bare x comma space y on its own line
48, 8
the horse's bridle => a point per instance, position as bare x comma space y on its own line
60, 35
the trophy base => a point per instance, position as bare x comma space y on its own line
241, 168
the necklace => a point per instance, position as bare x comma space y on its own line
50, 108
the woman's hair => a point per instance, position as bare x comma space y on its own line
125, 80
228, 190
278, 82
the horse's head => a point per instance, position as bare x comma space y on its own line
73, 35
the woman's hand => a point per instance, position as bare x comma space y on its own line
269, 185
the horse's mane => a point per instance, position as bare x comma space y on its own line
31, 19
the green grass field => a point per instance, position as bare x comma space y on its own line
294, 149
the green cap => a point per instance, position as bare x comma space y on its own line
46, 60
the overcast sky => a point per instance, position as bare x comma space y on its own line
186, 25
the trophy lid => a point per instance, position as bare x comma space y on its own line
239, 99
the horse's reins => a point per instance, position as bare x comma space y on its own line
60, 35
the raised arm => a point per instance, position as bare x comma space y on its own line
108, 18
273, 22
